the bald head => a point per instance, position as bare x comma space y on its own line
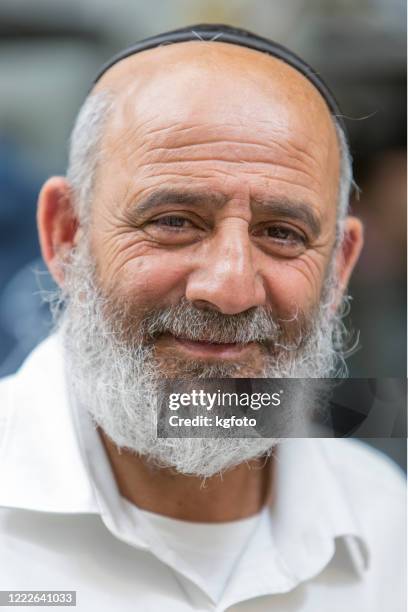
218, 81
216, 84
193, 63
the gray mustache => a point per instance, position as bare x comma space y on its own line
185, 321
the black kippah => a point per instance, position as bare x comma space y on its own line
234, 36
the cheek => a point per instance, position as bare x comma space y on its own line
153, 280
294, 286
161, 278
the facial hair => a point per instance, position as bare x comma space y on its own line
115, 374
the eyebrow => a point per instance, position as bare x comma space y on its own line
297, 211
161, 197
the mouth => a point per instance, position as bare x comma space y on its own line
217, 350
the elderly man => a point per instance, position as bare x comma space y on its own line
201, 231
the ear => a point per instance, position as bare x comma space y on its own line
348, 253
57, 224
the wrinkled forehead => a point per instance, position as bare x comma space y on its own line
192, 93
213, 83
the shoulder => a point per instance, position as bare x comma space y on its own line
42, 466
38, 368
26, 397
373, 484
357, 463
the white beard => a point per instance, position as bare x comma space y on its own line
117, 380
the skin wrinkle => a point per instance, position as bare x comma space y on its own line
134, 154
304, 266
190, 162
260, 204
224, 173
205, 224
160, 149
216, 140
126, 254
131, 230
142, 245
127, 264
194, 137
162, 199
167, 197
173, 129
184, 168
140, 155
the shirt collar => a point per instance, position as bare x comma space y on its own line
312, 509
53, 461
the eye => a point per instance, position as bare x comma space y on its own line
172, 222
174, 230
285, 234
281, 239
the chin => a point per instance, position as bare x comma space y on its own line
208, 457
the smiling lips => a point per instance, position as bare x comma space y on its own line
213, 349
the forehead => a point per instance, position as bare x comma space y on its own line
217, 100
218, 80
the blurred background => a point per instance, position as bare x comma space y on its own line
50, 51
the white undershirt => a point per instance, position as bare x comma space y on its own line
210, 550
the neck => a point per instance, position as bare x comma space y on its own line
236, 494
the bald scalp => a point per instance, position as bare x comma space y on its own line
203, 55
160, 72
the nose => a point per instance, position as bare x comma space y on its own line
227, 278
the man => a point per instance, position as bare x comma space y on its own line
202, 231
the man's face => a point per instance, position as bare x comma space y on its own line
209, 248
217, 188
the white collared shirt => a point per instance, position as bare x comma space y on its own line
337, 525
